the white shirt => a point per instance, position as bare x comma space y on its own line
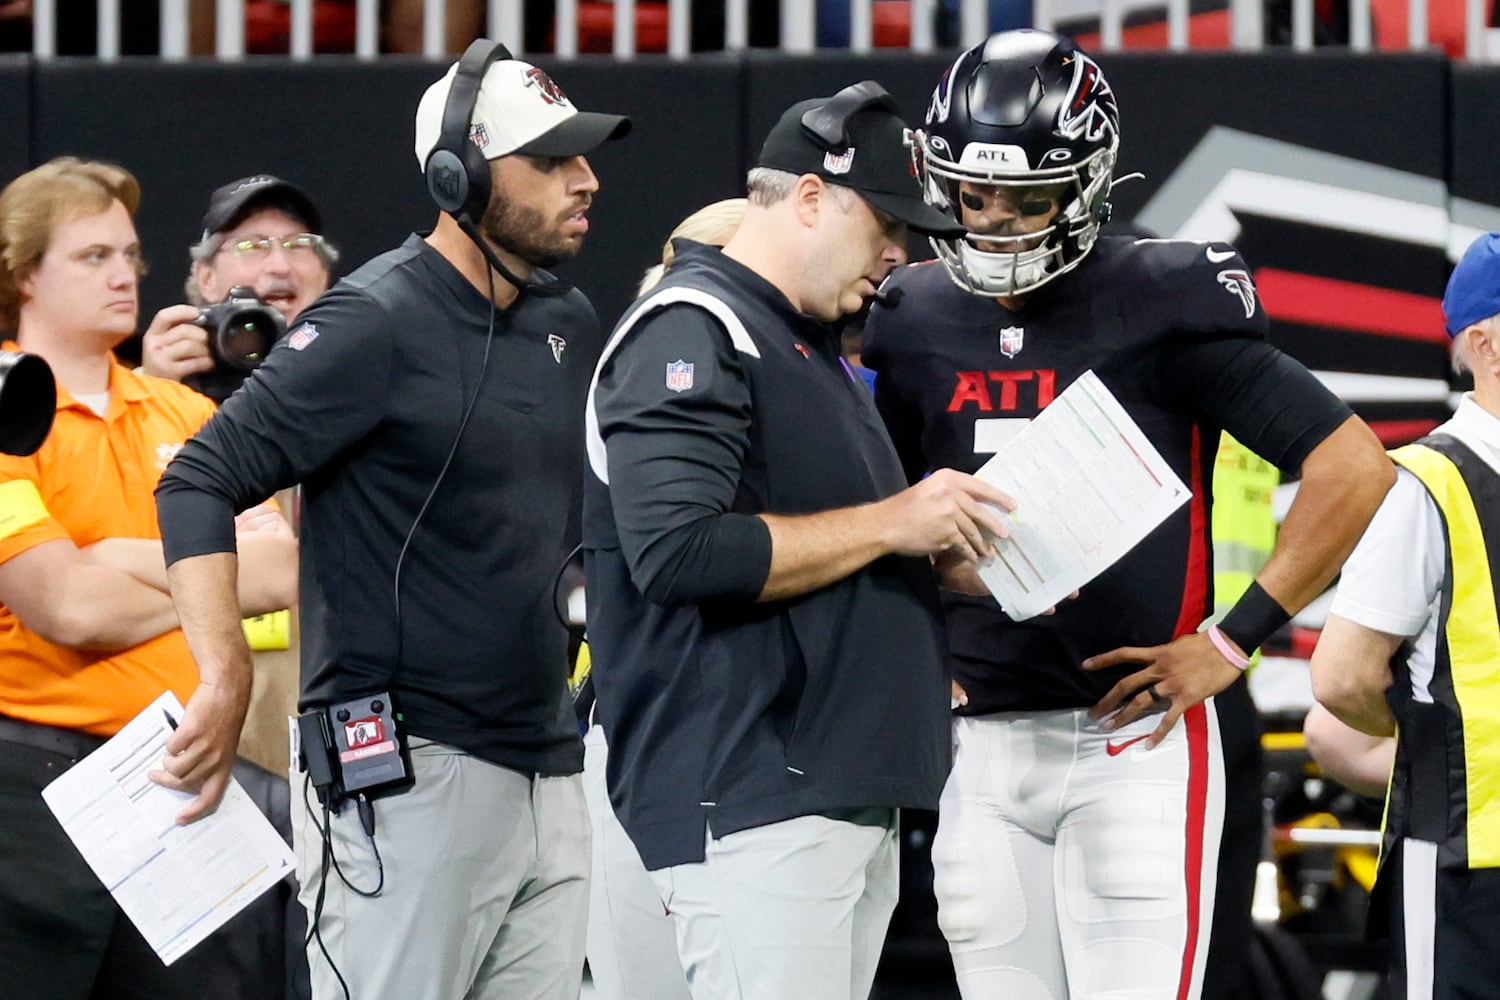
1393, 581
96, 401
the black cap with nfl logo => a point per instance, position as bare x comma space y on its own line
857, 140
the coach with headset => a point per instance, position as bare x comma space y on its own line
412, 401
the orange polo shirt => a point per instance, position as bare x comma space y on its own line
94, 478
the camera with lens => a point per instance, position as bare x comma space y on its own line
241, 329
28, 399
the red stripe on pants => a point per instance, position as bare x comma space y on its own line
1196, 721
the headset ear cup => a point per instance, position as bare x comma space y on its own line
457, 174
447, 180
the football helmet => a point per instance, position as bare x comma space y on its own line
1029, 114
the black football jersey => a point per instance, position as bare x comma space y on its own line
1174, 329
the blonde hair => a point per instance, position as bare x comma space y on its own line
712, 224
34, 204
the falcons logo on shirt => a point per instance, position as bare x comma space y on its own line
1238, 283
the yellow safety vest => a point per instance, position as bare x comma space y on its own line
1244, 526
1445, 787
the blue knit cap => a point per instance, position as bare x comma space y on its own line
1474, 288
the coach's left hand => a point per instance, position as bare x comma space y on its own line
1174, 677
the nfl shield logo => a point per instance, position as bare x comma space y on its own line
302, 336
839, 164
1010, 340
679, 375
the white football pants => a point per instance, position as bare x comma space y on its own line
1071, 862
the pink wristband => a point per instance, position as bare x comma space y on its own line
1222, 644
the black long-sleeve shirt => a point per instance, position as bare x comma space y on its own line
362, 402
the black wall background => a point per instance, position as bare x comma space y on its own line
1474, 153
15, 117
343, 130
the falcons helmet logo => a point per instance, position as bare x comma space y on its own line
1090, 110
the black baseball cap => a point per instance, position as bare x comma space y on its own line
857, 140
232, 202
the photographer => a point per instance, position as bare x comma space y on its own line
262, 233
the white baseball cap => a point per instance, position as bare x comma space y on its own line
519, 110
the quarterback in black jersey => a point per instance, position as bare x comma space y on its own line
1080, 826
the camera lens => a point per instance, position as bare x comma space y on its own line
242, 330
247, 337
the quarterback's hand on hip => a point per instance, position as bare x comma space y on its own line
173, 347
947, 511
1174, 678
200, 754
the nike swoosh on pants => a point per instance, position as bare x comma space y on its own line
1115, 749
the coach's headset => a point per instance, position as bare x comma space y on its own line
828, 123
458, 175
828, 126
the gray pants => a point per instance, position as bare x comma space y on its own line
632, 942
486, 886
795, 910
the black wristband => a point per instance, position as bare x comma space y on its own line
1254, 618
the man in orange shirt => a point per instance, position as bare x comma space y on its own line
88, 634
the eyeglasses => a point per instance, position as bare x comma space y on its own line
254, 247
